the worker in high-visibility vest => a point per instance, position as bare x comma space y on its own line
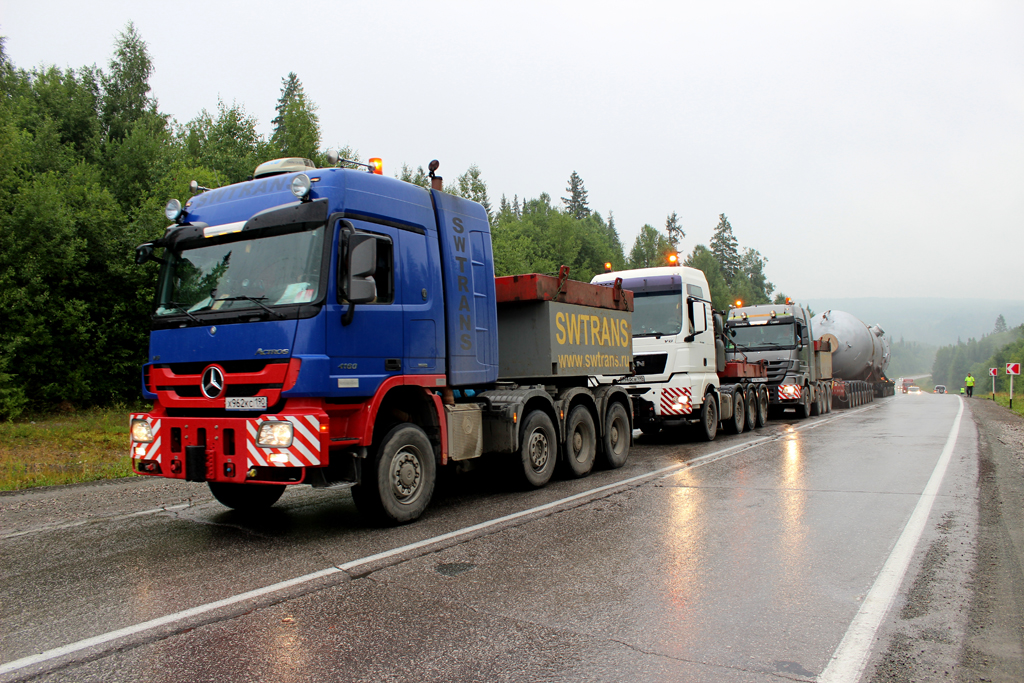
969, 381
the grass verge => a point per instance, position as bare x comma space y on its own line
1003, 399
47, 450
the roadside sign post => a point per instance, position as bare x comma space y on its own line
993, 372
1011, 370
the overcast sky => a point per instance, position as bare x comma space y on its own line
866, 149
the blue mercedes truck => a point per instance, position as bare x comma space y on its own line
339, 328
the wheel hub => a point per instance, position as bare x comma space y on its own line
538, 450
406, 475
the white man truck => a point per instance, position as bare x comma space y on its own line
682, 374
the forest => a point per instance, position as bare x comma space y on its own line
994, 350
88, 160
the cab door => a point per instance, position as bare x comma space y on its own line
365, 346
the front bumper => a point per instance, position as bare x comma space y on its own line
224, 449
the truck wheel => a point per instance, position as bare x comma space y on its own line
580, 442
803, 410
739, 415
538, 449
751, 398
246, 497
762, 406
816, 403
828, 399
616, 437
709, 418
398, 484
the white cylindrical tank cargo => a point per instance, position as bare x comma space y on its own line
859, 352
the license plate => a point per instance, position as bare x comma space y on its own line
246, 403
635, 379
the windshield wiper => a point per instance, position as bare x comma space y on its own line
181, 307
256, 300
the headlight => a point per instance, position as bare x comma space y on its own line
173, 210
300, 185
274, 435
141, 431
789, 391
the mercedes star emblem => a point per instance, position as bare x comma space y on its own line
212, 382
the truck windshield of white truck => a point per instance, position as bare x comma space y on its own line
762, 337
657, 305
226, 273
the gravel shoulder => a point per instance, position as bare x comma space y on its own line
960, 616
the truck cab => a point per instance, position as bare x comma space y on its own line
799, 367
674, 349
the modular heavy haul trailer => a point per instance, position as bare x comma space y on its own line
340, 328
860, 357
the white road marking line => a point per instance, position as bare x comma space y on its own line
850, 658
82, 522
136, 629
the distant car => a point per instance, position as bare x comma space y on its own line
914, 389
940, 389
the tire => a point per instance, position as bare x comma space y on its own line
751, 399
538, 449
580, 442
816, 403
398, 484
762, 406
828, 399
803, 410
246, 497
739, 414
709, 418
615, 441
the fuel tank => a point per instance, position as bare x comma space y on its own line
859, 352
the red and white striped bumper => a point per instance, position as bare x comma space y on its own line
304, 451
675, 401
227, 441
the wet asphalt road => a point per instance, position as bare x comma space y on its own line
745, 567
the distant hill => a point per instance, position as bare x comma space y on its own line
933, 321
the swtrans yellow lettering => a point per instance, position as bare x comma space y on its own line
560, 324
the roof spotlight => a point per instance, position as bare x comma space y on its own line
300, 186
173, 210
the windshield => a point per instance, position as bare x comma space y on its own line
657, 313
242, 274
760, 337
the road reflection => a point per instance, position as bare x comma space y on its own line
686, 538
792, 501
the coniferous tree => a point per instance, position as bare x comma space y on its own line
576, 203
296, 126
725, 248
674, 231
702, 259
126, 88
1000, 324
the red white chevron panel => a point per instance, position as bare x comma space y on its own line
305, 448
670, 397
152, 451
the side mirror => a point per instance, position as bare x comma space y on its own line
359, 286
144, 253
